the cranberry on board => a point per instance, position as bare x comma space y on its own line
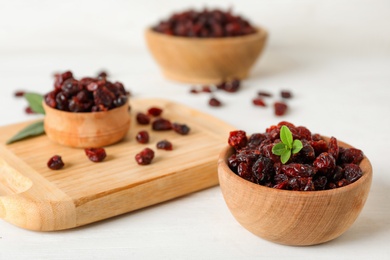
214, 102
95, 154
155, 111
142, 137
161, 124
180, 128
144, 157
142, 118
55, 162
164, 145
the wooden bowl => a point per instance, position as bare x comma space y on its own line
205, 60
89, 129
293, 217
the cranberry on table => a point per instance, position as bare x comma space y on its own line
259, 102
280, 108
144, 157
19, 93
214, 102
155, 111
161, 124
164, 145
286, 94
142, 137
95, 154
29, 110
55, 162
264, 94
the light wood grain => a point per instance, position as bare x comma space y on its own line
86, 129
205, 60
293, 217
35, 197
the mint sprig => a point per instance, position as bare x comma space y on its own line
288, 146
35, 102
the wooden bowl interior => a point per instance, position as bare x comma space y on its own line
205, 60
293, 217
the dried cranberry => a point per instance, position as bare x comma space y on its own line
333, 148
214, 102
102, 74
351, 155
194, 90
280, 108
232, 86
55, 162
238, 139
155, 111
298, 170
285, 94
324, 163
161, 124
142, 137
145, 157
206, 89
244, 171
264, 94
29, 110
259, 102
352, 172
19, 93
95, 154
164, 145
142, 119
180, 128
120, 101
263, 169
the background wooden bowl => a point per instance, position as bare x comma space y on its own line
293, 217
89, 129
205, 60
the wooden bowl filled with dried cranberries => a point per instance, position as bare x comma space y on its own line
90, 112
292, 187
205, 46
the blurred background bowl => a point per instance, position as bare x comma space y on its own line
293, 217
205, 60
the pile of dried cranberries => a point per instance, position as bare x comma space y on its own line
85, 95
319, 165
205, 24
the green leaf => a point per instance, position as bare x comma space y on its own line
285, 156
297, 146
35, 102
29, 131
279, 149
286, 136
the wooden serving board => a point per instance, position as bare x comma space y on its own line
34, 197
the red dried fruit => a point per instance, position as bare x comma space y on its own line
258, 102
214, 102
55, 162
280, 108
285, 94
324, 163
142, 137
206, 89
232, 86
142, 119
145, 157
238, 139
164, 145
194, 90
180, 128
29, 110
19, 93
155, 111
333, 148
352, 172
351, 155
95, 154
161, 124
102, 74
264, 94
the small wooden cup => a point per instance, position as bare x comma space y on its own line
205, 60
87, 129
296, 218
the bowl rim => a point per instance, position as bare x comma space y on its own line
228, 150
55, 110
259, 33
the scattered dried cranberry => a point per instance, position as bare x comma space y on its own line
206, 89
180, 128
29, 110
155, 111
85, 95
142, 119
194, 90
313, 168
55, 162
161, 124
145, 157
264, 94
19, 93
205, 24
103, 74
259, 102
95, 154
232, 86
285, 94
142, 137
214, 102
280, 108
164, 145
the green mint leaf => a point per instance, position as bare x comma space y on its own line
35, 102
297, 146
285, 156
29, 131
279, 149
286, 136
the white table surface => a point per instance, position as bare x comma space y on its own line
333, 55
